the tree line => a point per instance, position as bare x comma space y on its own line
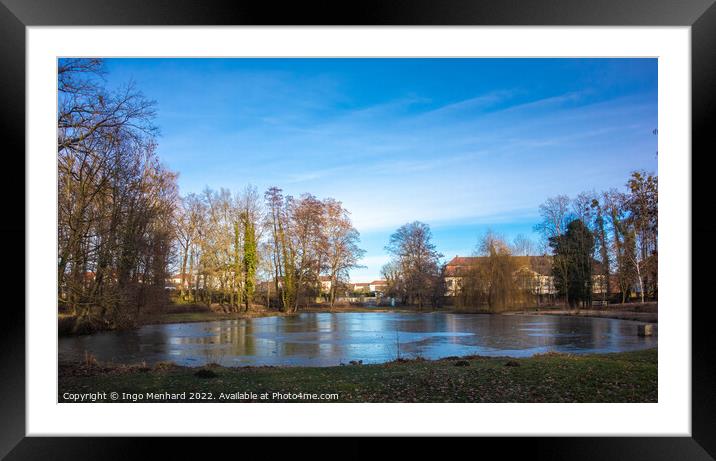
228, 242
618, 229
115, 199
604, 243
122, 227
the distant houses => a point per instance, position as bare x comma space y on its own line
192, 281
376, 286
326, 283
361, 287
465, 277
176, 281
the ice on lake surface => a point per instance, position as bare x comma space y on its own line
327, 339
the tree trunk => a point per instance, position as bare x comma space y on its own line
641, 285
207, 290
183, 270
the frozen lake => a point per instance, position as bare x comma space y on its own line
326, 339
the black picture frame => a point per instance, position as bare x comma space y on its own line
700, 15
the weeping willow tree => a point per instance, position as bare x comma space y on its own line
498, 269
490, 280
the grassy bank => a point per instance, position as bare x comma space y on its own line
620, 377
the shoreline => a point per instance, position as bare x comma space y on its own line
647, 313
646, 317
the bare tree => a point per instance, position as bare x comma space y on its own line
275, 221
115, 200
622, 240
642, 203
341, 245
413, 251
523, 246
189, 216
306, 226
556, 215
582, 208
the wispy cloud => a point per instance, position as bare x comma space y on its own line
483, 101
447, 150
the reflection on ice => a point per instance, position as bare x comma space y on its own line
325, 339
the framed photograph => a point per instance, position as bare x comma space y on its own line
416, 220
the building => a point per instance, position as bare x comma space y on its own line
457, 269
534, 274
378, 286
197, 280
326, 283
176, 280
361, 287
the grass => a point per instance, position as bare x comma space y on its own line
618, 377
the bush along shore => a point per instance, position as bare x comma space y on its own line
550, 377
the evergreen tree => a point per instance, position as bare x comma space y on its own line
573, 251
250, 259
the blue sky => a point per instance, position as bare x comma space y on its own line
461, 144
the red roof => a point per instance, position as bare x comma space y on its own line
378, 282
464, 260
459, 265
